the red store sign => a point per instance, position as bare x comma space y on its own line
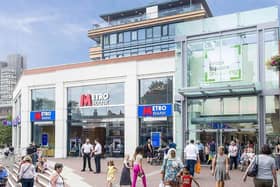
100, 99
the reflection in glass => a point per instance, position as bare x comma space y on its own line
156, 91
43, 99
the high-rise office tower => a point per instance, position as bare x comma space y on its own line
10, 71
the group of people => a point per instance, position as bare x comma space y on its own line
27, 174
175, 173
88, 151
135, 164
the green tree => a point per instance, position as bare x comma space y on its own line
5, 133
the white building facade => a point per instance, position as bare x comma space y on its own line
109, 100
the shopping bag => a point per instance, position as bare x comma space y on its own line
197, 167
161, 184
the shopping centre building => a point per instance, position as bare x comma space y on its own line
169, 71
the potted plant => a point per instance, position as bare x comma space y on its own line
274, 62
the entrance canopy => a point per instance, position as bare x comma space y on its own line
216, 91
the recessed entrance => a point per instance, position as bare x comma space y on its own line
223, 119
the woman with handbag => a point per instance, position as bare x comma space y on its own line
220, 167
170, 169
27, 173
137, 164
263, 169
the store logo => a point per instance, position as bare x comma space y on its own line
160, 110
38, 116
42, 116
94, 99
148, 111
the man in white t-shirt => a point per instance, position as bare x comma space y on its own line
97, 156
233, 154
191, 155
86, 151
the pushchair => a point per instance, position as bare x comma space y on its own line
158, 157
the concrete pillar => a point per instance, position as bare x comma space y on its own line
131, 101
60, 122
25, 119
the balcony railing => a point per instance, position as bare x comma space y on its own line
142, 17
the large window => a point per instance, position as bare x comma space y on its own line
120, 37
134, 35
102, 117
164, 30
126, 37
156, 91
141, 34
43, 99
113, 39
223, 60
149, 32
157, 31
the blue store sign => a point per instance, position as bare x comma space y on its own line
45, 139
42, 116
155, 138
161, 110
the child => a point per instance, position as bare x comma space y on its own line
111, 173
125, 175
186, 179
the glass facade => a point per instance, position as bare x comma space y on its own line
43, 100
103, 118
226, 83
220, 60
156, 91
141, 41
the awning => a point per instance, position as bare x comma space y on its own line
225, 119
216, 91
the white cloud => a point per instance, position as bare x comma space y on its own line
23, 24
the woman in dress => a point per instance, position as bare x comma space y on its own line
137, 163
170, 168
125, 175
220, 167
56, 179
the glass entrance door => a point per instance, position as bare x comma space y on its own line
218, 121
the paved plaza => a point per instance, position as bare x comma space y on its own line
74, 177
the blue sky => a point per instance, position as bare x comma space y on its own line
53, 32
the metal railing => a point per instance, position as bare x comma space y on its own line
142, 17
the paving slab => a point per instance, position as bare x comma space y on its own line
75, 178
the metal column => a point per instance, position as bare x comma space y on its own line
261, 97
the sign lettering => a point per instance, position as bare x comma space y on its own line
99, 99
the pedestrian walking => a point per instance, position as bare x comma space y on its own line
111, 173
149, 150
97, 156
170, 168
138, 170
125, 175
200, 148
220, 167
277, 155
86, 151
27, 173
56, 180
192, 156
233, 155
266, 169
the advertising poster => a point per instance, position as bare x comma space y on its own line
223, 64
156, 139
